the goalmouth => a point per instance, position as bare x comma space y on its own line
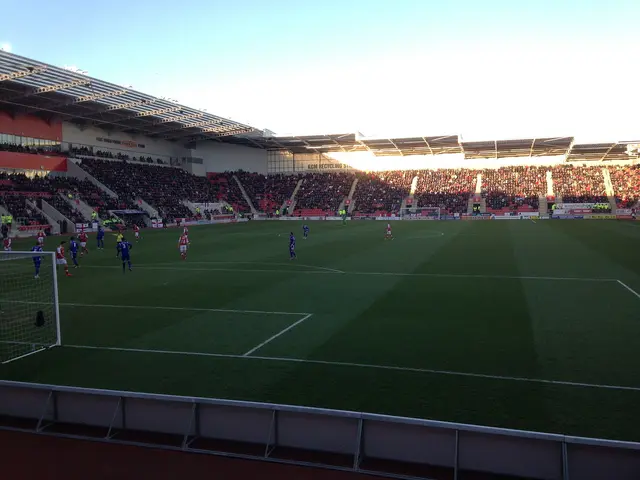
422, 213
29, 308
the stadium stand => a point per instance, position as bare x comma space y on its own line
53, 149
382, 192
626, 185
322, 193
223, 187
448, 189
268, 192
24, 215
579, 184
515, 188
163, 188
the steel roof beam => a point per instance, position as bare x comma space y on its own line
22, 73
180, 117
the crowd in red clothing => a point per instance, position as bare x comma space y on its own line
448, 189
516, 187
579, 184
626, 185
382, 191
324, 192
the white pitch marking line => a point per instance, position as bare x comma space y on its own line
391, 274
260, 263
243, 270
629, 288
363, 365
158, 307
273, 337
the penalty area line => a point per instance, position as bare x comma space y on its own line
362, 366
159, 307
273, 337
628, 288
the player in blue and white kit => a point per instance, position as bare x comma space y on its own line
305, 230
100, 238
73, 248
124, 248
292, 246
37, 260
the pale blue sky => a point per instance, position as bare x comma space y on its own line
493, 69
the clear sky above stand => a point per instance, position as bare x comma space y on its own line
493, 69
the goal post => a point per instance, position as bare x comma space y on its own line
29, 308
422, 213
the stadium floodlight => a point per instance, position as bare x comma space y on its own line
29, 308
97, 96
178, 118
22, 73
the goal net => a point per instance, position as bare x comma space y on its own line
422, 213
29, 314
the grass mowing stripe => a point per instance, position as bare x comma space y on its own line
361, 365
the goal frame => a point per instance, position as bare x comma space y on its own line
415, 214
56, 300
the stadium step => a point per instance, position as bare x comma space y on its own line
254, 211
549, 184
292, 200
79, 205
543, 206
53, 221
75, 170
153, 213
351, 193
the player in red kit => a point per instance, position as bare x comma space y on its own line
41, 237
60, 260
183, 245
388, 235
136, 232
6, 244
83, 243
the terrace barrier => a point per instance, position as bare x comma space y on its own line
390, 446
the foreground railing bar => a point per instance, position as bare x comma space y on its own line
187, 433
565, 462
357, 451
39, 427
272, 433
113, 419
334, 413
456, 455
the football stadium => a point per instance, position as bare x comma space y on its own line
415, 307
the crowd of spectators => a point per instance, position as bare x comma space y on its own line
164, 188
225, 188
268, 192
514, 188
382, 191
626, 185
323, 191
579, 184
448, 189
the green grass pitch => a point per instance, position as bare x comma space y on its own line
513, 324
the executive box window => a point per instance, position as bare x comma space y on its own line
18, 141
